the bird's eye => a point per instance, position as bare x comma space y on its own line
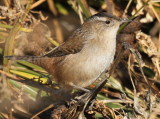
107, 22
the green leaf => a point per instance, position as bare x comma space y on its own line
61, 9
113, 83
114, 105
101, 97
28, 89
85, 11
33, 66
10, 27
148, 72
31, 72
36, 78
98, 116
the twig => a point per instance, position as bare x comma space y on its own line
52, 41
80, 14
10, 27
116, 101
50, 106
154, 11
56, 24
52, 7
84, 2
37, 3
10, 75
125, 11
140, 61
84, 9
129, 71
134, 88
58, 31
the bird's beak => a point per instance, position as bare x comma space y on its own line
125, 20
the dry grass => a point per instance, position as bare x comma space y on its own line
26, 90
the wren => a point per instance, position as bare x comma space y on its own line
87, 53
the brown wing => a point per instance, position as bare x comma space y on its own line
73, 45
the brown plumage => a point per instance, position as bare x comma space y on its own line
87, 53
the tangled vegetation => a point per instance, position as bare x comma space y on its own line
34, 27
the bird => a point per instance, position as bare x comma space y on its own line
84, 56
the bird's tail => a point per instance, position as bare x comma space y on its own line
25, 58
37, 60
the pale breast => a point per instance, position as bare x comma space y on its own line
83, 68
